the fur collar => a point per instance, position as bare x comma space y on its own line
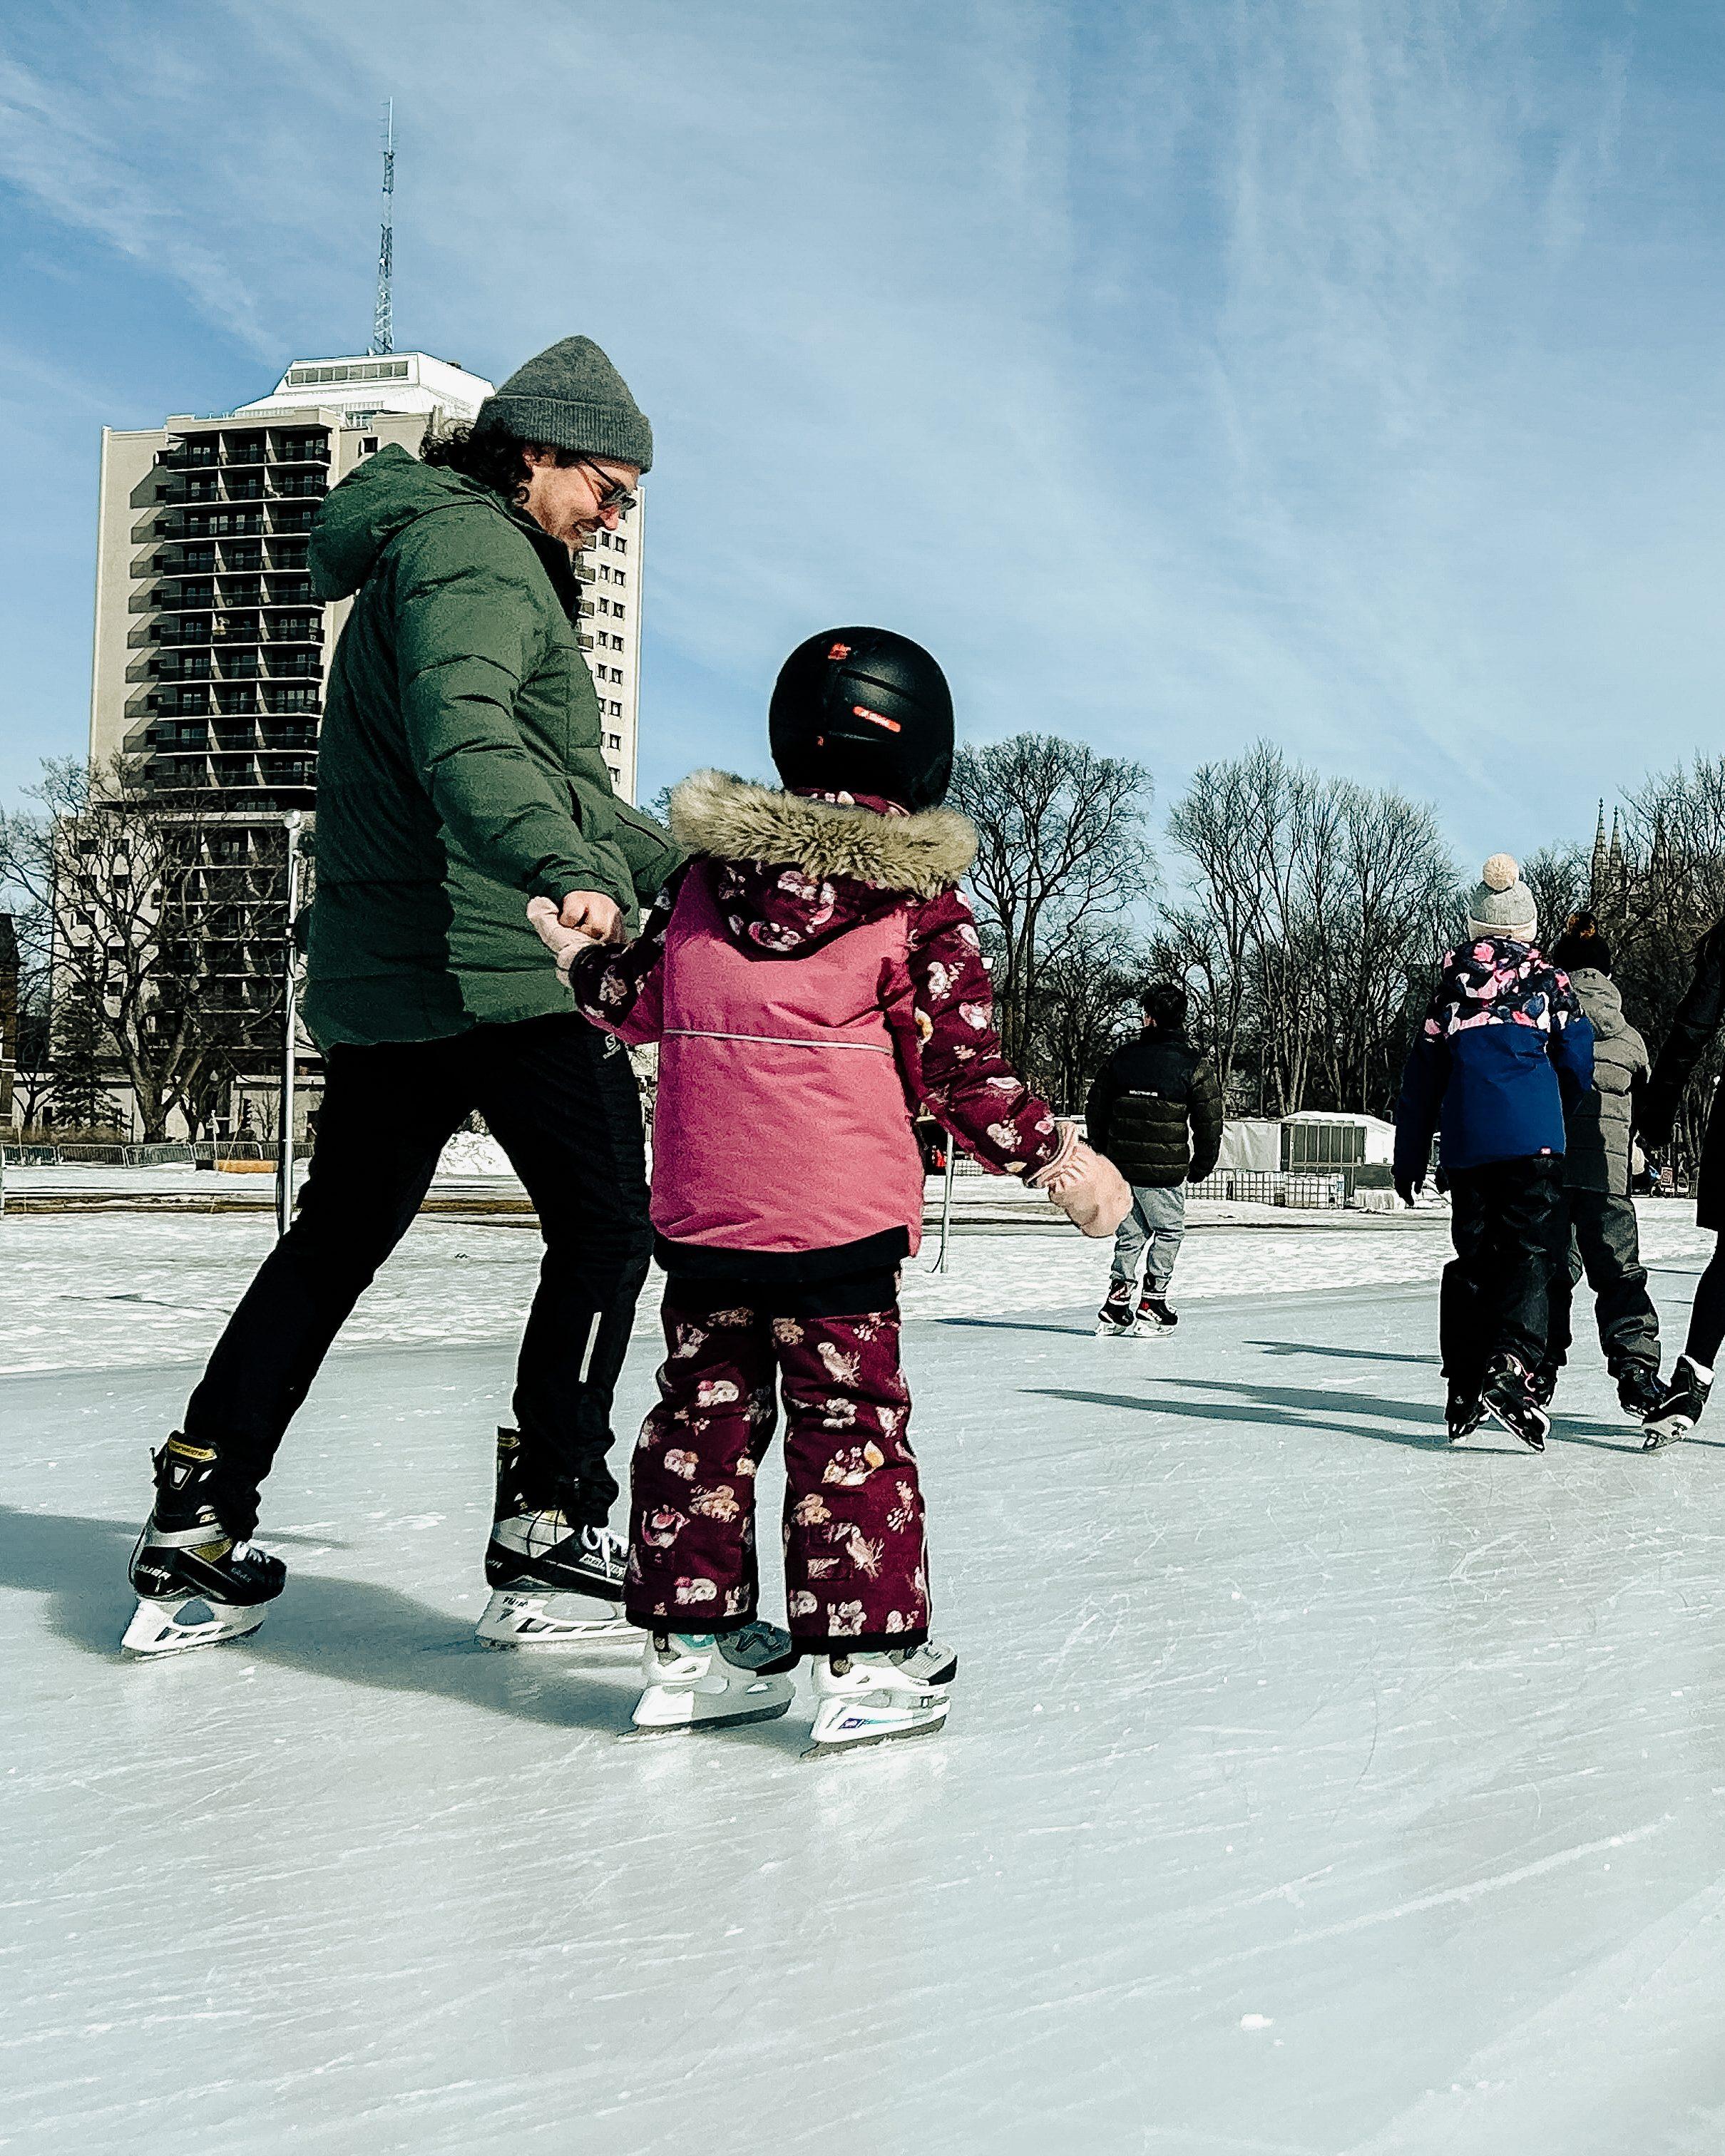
712, 812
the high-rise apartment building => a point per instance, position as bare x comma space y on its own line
211, 650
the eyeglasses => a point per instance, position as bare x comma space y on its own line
614, 493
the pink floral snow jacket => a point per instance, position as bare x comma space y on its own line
811, 976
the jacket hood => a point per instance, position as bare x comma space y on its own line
1601, 1001
359, 517
791, 872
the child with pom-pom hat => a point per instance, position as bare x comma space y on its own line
1504, 1047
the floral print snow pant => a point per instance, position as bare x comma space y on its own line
855, 1566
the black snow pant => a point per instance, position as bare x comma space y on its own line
1506, 1222
1603, 1243
561, 1099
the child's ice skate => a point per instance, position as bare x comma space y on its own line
536, 1557
1509, 1400
196, 1585
1464, 1412
1154, 1315
701, 1680
1639, 1392
1114, 1320
1679, 1407
869, 1698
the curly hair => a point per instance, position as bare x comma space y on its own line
492, 456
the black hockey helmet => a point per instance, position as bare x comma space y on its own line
862, 710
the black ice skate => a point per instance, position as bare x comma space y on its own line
1639, 1391
1154, 1315
1544, 1384
1679, 1406
1509, 1400
1464, 1413
196, 1585
537, 1554
1114, 1320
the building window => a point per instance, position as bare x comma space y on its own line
367, 447
615, 710
621, 544
614, 741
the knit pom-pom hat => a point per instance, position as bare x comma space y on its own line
1501, 904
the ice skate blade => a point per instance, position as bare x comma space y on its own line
1105, 1331
514, 1620
832, 1746
1661, 1434
159, 1628
1534, 1440
696, 1723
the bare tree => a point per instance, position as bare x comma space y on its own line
122, 883
1313, 910
1062, 855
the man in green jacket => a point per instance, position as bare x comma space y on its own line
460, 774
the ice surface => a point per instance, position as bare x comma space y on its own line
1312, 1789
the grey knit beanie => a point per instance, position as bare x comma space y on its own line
572, 398
1501, 904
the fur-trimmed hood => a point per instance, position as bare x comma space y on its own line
713, 813
791, 872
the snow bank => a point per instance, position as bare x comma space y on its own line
472, 1152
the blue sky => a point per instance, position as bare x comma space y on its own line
1341, 371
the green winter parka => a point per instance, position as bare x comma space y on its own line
459, 768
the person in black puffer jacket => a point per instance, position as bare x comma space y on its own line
1155, 1112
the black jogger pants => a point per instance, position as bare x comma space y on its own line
560, 1098
1604, 1242
1505, 1220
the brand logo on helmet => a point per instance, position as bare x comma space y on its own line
875, 718
839, 651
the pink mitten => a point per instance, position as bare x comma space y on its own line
564, 944
1088, 1189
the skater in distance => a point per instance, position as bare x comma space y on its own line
811, 972
1504, 1045
460, 772
1155, 1112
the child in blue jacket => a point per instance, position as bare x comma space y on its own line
1504, 1050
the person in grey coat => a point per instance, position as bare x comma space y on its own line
1604, 1241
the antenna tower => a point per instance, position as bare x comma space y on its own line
382, 321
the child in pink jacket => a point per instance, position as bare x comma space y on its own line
813, 977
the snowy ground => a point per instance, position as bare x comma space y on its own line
1311, 1790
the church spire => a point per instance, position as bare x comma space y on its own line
1596, 879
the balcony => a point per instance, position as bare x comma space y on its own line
205, 523
179, 703
294, 628
187, 456
301, 449
287, 485
288, 771
181, 628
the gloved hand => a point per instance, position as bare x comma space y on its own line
565, 944
1407, 1184
1087, 1186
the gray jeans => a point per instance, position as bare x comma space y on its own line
1157, 1218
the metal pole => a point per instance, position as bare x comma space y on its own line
289, 1030
940, 1263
